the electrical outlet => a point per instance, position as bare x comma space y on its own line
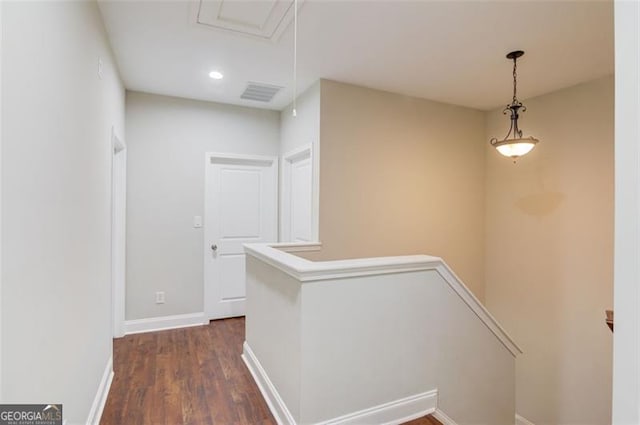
159, 297
100, 68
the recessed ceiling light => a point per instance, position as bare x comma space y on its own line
216, 75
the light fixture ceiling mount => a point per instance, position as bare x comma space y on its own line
514, 145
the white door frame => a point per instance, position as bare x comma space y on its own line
626, 290
118, 232
209, 206
288, 159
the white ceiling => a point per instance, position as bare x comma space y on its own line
450, 51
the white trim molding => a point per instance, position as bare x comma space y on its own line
626, 293
95, 413
276, 405
300, 247
393, 413
522, 421
443, 418
163, 323
232, 158
313, 271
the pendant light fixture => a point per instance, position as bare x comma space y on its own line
514, 145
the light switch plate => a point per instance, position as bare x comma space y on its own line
197, 222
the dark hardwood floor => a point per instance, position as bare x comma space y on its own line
426, 420
188, 376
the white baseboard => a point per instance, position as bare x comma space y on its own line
95, 414
392, 413
274, 401
443, 418
522, 421
163, 323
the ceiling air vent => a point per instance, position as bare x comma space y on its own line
260, 92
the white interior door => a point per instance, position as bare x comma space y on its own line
240, 207
297, 217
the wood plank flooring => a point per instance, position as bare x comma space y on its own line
426, 420
188, 376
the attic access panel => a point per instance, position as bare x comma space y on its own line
264, 19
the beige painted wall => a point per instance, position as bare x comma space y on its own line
549, 253
400, 175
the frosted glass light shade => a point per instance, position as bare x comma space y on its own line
515, 148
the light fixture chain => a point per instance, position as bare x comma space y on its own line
515, 80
